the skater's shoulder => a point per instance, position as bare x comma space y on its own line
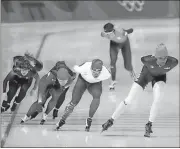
105, 72
51, 75
172, 60
18, 57
12, 73
119, 30
148, 58
58, 65
85, 64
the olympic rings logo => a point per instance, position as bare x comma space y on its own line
133, 5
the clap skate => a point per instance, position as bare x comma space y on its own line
3, 109
25, 119
88, 124
14, 106
60, 124
5, 106
22, 121
148, 130
42, 122
106, 125
55, 113
112, 85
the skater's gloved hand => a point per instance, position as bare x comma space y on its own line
66, 86
103, 34
4, 96
133, 75
106, 35
32, 92
40, 100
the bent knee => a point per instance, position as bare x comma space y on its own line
136, 89
113, 63
96, 95
24, 89
160, 84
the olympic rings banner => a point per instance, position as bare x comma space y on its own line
24, 11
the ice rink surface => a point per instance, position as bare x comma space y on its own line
75, 45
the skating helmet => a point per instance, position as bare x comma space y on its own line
63, 76
60, 64
28, 56
108, 27
96, 67
161, 54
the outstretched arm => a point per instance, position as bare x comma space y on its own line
173, 62
146, 60
7, 78
80, 68
43, 84
37, 78
128, 31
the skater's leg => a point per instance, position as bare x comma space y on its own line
113, 59
77, 93
136, 89
55, 94
95, 90
24, 88
158, 85
127, 56
59, 103
33, 111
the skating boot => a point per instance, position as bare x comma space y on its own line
106, 125
42, 122
26, 118
60, 124
22, 121
112, 85
3, 109
55, 113
148, 130
88, 124
43, 118
13, 108
5, 106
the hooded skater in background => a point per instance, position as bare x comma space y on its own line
118, 40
